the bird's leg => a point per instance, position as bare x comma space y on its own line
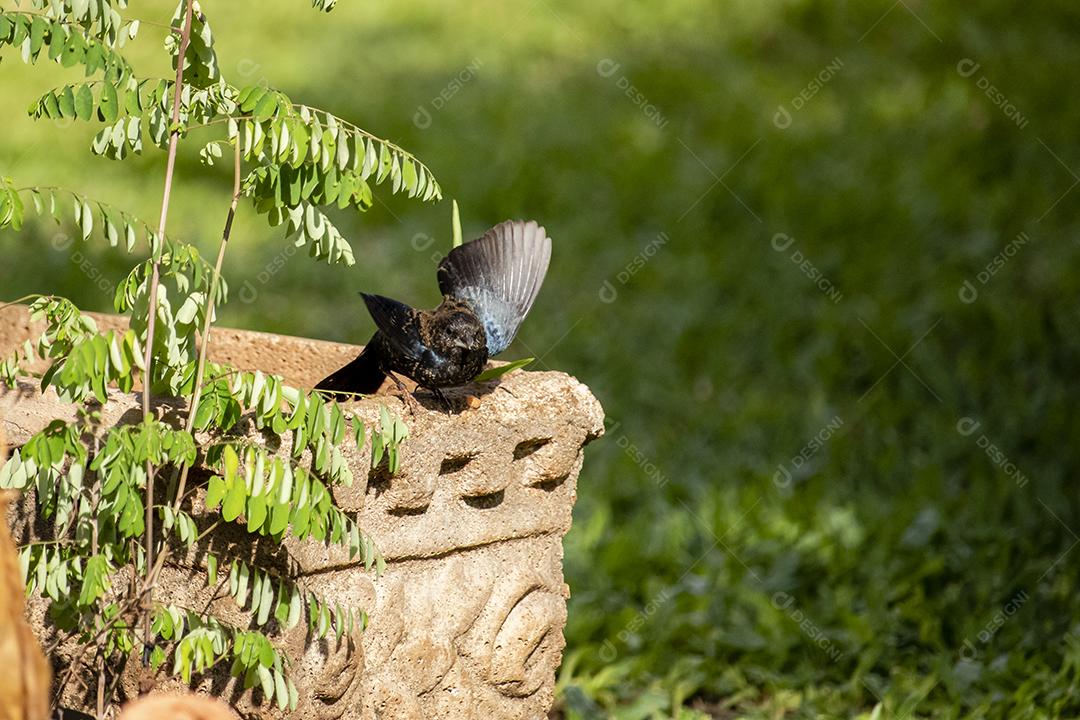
406, 396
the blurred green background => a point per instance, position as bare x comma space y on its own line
837, 481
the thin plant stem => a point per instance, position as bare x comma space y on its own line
101, 686
201, 367
174, 141
69, 23
20, 301
208, 314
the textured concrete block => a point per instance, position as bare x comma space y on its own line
467, 620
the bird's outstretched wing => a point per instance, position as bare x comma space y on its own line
399, 325
499, 275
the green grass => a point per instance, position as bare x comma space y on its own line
701, 584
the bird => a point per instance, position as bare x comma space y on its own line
488, 285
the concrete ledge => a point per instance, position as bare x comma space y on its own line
467, 620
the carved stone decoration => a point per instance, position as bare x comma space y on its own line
467, 620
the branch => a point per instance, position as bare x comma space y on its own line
200, 370
361, 131
48, 206
20, 301
208, 314
218, 121
174, 139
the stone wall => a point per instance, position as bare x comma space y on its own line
467, 620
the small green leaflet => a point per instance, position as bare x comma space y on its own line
456, 222
495, 372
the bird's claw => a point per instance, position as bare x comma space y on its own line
411, 404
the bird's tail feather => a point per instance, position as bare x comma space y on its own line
361, 376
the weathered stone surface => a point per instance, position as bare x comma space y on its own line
467, 620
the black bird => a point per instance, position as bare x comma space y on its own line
488, 286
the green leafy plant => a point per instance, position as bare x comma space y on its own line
97, 485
